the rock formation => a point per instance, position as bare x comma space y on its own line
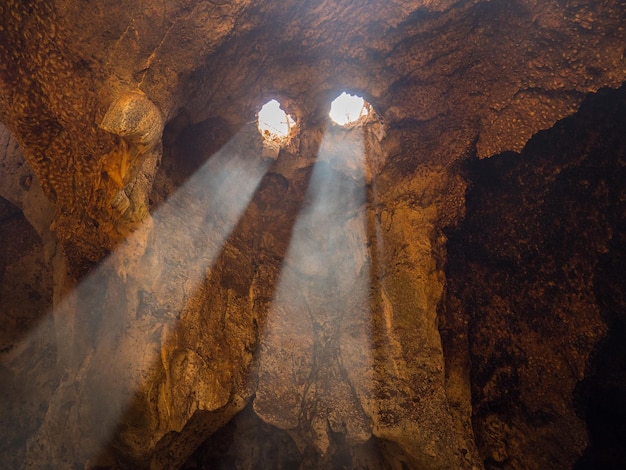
439, 285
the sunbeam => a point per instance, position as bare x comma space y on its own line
317, 346
106, 340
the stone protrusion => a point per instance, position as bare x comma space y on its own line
135, 118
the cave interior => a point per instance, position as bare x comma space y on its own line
210, 261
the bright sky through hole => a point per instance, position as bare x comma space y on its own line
273, 121
346, 109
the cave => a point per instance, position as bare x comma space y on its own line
433, 278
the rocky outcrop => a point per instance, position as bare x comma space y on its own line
189, 278
528, 293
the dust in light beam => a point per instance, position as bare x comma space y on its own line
316, 350
106, 345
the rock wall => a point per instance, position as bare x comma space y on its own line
26, 293
534, 274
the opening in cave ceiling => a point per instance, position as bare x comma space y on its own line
348, 109
273, 122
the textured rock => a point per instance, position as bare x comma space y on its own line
188, 278
136, 118
26, 295
526, 286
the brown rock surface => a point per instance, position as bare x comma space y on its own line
168, 281
535, 273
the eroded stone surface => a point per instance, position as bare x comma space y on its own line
526, 283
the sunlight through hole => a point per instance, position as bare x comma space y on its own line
347, 109
273, 122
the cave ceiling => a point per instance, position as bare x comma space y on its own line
115, 110
483, 71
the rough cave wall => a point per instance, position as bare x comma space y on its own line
26, 297
150, 350
535, 280
26, 293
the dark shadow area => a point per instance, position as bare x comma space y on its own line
25, 299
601, 396
186, 147
25, 282
247, 442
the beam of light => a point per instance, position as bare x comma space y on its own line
316, 352
346, 109
273, 122
107, 346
